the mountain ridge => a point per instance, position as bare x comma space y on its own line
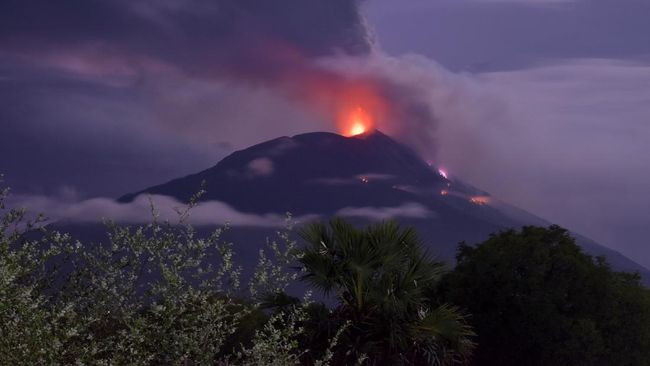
326, 174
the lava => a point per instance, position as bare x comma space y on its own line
357, 129
357, 122
480, 200
443, 173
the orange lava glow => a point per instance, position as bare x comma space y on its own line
352, 101
358, 106
480, 200
357, 129
358, 122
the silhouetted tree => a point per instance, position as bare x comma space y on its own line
537, 299
380, 277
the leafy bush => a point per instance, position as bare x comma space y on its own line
153, 294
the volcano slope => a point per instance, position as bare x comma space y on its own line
365, 178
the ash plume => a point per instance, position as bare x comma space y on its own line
189, 75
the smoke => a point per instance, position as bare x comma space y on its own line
425, 106
189, 80
317, 53
113, 96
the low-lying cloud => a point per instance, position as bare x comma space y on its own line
145, 208
140, 211
406, 210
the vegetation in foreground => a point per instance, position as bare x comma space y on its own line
159, 294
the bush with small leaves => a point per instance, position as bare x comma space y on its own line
155, 294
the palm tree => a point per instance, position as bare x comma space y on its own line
381, 278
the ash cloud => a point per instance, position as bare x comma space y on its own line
110, 89
118, 83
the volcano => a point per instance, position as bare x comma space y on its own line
367, 177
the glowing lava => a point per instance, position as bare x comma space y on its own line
357, 122
480, 200
357, 129
443, 173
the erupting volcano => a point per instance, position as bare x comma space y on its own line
363, 175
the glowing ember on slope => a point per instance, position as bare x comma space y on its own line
443, 173
480, 200
444, 192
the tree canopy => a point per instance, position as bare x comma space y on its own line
537, 299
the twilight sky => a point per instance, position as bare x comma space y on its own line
545, 104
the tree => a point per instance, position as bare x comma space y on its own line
537, 299
380, 277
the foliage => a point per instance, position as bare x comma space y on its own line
537, 299
25, 322
160, 293
273, 274
153, 294
380, 277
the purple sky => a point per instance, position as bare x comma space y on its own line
545, 104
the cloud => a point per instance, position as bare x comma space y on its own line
570, 145
406, 210
250, 42
260, 167
292, 66
140, 211
119, 105
198, 75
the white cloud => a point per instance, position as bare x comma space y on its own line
408, 210
260, 167
139, 211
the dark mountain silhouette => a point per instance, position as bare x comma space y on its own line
327, 174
